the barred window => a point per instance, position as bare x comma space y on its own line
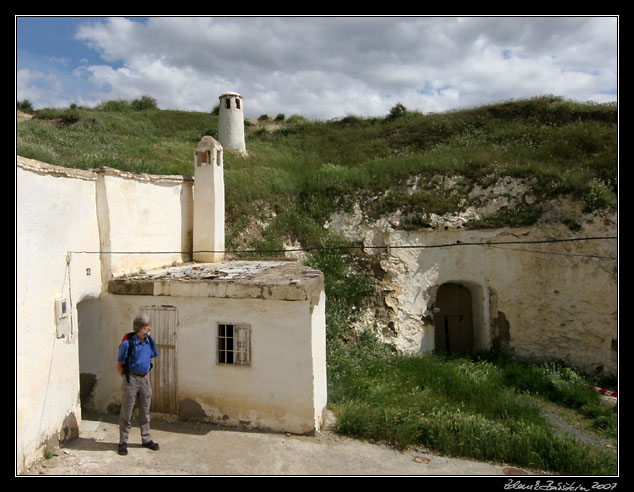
234, 344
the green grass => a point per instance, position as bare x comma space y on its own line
317, 167
483, 407
150, 141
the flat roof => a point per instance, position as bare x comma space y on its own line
281, 279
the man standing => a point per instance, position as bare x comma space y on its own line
134, 364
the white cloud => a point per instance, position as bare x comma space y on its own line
42, 86
328, 67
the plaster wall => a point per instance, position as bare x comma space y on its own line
143, 214
284, 387
318, 357
47, 364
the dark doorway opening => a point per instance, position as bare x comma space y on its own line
91, 360
453, 319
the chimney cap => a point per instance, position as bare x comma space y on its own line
208, 143
230, 94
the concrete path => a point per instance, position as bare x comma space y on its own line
202, 449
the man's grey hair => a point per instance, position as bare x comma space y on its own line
140, 321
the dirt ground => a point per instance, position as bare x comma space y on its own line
203, 449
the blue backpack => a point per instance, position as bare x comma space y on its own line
128, 358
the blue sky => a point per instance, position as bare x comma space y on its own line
320, 67
40, 39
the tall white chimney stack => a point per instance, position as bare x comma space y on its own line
231, 122
209, 202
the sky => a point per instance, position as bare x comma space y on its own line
321, 67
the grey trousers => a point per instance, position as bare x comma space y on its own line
138, 390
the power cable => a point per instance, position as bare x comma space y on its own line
387, 247
599, 257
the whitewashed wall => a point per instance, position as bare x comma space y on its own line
560, 303
64, 219
48, 226
143, 214
284, 387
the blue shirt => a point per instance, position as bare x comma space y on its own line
143, 352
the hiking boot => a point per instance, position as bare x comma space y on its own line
123, 449
151, 445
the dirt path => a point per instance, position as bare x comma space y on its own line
564, 424
189, 448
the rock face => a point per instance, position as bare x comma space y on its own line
538, 291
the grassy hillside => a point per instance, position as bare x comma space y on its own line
303, 170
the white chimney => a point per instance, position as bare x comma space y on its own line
231, 122
209, 202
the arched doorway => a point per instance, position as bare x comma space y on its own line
453, 319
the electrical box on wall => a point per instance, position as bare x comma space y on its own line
62, 316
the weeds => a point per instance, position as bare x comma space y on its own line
485, 407
564, 147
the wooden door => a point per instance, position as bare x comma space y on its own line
453, 320
164, 323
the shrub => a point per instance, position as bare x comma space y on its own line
114, 105
396, 111
145, 102
25, 105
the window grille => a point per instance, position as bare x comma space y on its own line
234, 344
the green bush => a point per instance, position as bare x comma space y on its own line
25, 105
144, 103
397, 111
114, 105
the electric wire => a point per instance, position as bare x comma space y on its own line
492, 244
599, 257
